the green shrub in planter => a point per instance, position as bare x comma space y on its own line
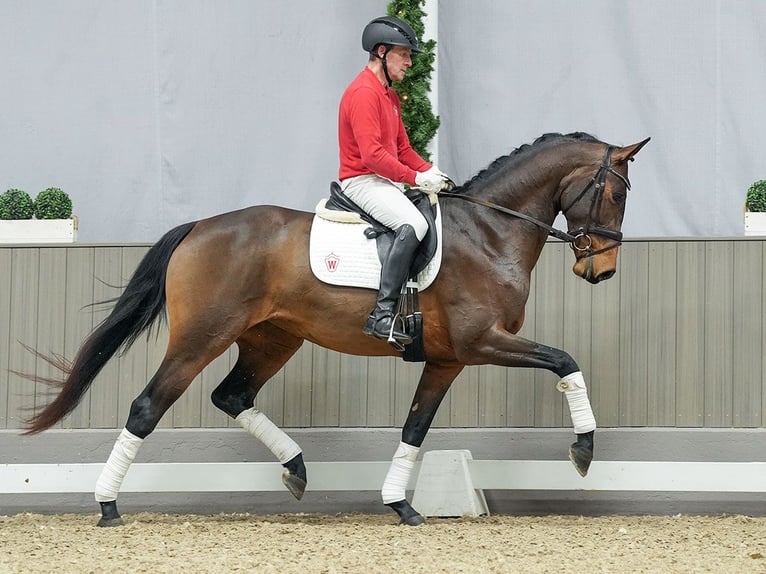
16, 204
53, 203
756, 197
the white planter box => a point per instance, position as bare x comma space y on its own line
755, 223
38, 231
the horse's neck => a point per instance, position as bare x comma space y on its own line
529, 189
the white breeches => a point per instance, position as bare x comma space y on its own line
385, 201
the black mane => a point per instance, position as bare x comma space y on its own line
523, 150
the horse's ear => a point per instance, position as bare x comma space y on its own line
623, 154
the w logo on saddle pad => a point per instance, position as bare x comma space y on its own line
341, 254
331, 262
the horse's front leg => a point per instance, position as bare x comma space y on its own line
574, 389
500, 347
434, 383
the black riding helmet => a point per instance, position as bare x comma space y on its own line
390, 32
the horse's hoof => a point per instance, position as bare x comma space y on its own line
295, 484
110, 516
581, 453
108, 522
415, 520
294, 476
406, 513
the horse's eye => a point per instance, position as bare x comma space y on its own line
618, 196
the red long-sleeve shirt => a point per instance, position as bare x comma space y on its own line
371, 134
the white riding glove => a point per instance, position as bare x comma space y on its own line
449, 183
432, 179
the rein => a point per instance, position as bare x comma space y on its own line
579, 239
557, 233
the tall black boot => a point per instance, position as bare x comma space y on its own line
394, 273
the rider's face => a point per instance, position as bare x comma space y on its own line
399, 59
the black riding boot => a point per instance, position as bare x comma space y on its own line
394, 273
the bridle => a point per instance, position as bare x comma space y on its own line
579, 239
582, 240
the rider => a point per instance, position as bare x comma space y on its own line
376, 158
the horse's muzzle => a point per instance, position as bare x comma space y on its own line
595, 269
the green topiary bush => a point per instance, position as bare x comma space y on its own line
53, 203
756, 197
417, 112
16, 204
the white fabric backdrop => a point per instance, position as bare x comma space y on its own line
150, 113
690, 74
154, 112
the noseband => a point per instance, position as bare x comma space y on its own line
579, 239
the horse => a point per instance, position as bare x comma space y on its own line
243, 278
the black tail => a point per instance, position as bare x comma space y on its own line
136, 309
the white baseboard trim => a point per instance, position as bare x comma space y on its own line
535, 475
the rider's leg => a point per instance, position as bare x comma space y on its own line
394, 273
385, 202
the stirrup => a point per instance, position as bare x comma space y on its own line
370, 328
405, 339
398, 344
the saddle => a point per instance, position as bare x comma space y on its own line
409, 305
384, 236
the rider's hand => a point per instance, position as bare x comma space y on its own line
450, 184
432, 179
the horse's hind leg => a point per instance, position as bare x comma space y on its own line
263, 350
434, 384
175, 374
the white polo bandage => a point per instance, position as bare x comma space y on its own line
274, 438
395, 485
123, 453
573, 387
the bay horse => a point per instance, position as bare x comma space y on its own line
243, 278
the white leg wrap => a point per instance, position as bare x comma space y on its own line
123, 453
274, 438
573, 387
395, 485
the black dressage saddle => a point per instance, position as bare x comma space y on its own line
384, 236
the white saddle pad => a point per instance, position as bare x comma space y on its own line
340, 254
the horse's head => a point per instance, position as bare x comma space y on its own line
593, 202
